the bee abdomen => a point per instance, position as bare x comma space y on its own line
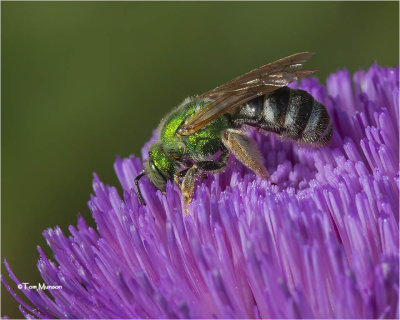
291, 113
319, 127
295, 114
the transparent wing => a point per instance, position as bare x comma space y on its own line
248, 86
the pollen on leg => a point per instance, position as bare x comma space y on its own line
187, 200
188, 187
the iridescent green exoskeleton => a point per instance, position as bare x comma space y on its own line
197, 137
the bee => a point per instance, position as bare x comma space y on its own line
196, 138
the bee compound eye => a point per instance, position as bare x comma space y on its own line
159, 178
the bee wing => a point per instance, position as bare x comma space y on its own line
248, 86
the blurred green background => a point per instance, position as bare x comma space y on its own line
85, 81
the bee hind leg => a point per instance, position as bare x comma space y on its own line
245, 150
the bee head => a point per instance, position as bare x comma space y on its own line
159, 167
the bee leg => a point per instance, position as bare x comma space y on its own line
187, 186
245, 150
214, 166
179, 175
190, 175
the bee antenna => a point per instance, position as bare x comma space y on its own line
138, 192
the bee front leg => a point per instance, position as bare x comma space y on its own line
187, 186
179, 175
190, 175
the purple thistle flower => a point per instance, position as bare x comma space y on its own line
322, 243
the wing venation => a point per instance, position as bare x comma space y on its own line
246, 87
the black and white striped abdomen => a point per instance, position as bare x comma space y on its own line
291, 113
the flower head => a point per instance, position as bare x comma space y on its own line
322, 243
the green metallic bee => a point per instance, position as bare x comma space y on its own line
196, 138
